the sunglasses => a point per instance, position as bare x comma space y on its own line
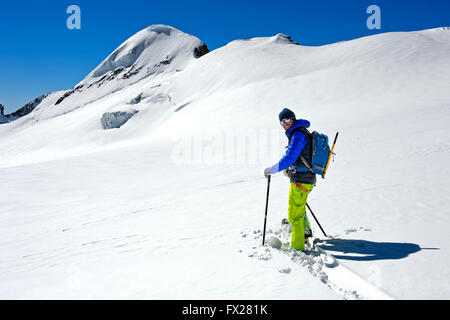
285, 121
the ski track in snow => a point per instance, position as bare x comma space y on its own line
319, 263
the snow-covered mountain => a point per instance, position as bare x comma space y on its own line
145, 179
155, 50
21, 112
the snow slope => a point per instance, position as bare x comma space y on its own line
133, 78
169, 204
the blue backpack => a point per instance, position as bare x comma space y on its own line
320, 153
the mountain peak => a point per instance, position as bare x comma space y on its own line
154, 46
154, 50
282, 38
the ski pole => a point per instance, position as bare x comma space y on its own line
316, 220
265, 214
329, 157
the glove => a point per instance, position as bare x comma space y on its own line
267, 172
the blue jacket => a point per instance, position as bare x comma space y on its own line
295, 148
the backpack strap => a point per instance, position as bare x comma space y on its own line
306, 164
305, 132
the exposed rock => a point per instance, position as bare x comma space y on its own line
281, 37
3, 119
165, 61
131, 72
26, 109
201, 50
68, 93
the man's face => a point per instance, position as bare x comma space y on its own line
287, 124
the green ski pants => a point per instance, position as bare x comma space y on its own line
297, 213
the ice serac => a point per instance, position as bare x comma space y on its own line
114, 120
153, 50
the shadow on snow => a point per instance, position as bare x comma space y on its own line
368, 250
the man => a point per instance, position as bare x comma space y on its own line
302, 179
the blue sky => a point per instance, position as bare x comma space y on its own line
38, 54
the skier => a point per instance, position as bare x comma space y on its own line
303, 181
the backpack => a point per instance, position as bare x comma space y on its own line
320, 153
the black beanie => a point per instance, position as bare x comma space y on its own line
286, 114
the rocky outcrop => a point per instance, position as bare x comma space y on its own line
281, 37
26, 109
3, 119
201, 50
30, 106
68, 93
